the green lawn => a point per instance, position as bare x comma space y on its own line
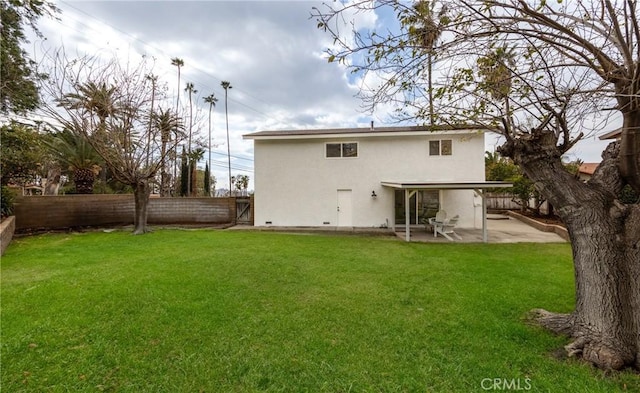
232, 311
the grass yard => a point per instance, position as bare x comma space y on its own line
236, 311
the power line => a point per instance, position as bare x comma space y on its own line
134, 38
224, 165
232, 156
237, 166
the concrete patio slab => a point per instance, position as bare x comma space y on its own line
500, 229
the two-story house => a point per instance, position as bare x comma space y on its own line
368, 177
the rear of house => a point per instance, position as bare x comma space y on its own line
349, 177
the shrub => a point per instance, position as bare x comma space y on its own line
7, 199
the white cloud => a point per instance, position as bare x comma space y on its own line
271, 52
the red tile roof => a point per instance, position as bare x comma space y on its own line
588, 168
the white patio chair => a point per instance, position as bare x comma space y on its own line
446, 228
438, 220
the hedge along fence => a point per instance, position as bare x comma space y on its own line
54, 212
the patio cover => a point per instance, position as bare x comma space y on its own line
411, 187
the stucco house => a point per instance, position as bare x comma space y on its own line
368, 177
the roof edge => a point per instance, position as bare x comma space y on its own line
615, 134
445, 185
360, 131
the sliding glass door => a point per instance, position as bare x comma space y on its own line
422, 204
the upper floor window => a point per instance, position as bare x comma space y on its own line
341, 150
440, 148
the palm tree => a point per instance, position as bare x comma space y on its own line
94, 99
226, 86
211, 100
82, 160
191, 90
195, 156
242, 183
427, 30
178, 63
166, 122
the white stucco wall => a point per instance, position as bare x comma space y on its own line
295, 185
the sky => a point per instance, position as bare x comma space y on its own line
271, 51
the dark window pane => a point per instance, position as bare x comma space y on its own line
349, 150
445, 147
333, 150
429, 203
434, 148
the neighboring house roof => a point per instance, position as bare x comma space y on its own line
615, 134
588, 168
360, 132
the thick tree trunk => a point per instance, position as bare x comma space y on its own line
165, 187
605, 317
53, 181
141, 196
605, 241
630, 149
165, 177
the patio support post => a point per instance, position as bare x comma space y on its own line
484, 215
407, 213
407, 216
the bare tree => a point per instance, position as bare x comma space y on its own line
153, 79
116, 125
542, 76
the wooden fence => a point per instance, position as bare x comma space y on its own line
501, 202
508, 202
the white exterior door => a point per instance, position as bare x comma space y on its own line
345, 209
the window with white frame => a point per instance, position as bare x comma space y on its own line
441, 147
341, 150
